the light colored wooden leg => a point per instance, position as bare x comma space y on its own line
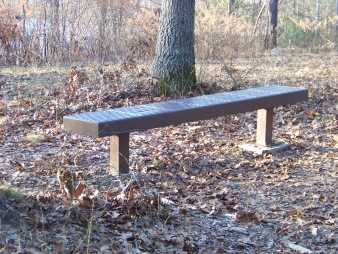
119, 154
264, 126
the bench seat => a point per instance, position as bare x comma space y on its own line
119, 122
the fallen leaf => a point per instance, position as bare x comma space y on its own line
247, 216
314, 230
298, 248
77, 193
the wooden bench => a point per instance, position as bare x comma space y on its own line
119, 122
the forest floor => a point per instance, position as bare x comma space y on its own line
191, 190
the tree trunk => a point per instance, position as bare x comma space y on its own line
336, 29
63, 43
253, 11
45, 37
55, 30
102, 30
231, 7
270, 41
317, 23
174, 58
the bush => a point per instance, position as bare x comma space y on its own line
295, 35
142, 35
221, 36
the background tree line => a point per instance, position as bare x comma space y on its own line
34, 32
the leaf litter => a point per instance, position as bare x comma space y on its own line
191, 189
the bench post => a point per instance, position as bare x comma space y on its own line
264, 126
119, 154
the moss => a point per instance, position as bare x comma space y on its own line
10, 192
178, 85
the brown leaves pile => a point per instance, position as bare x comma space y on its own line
191, 189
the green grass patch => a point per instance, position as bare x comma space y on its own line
11, 192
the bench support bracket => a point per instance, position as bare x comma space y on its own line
264, 127
264, 142
119, 154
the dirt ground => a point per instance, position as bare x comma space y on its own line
191, 189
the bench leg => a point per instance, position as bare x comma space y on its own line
119, 154
264, 126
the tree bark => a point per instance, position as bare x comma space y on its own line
231, 7
24, 37
336, 29
270, 41
55, 29
45, 37
253, 11
317, 23
102, 29
174, 60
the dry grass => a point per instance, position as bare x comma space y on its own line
219, 36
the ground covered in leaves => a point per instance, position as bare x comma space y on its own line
191, 189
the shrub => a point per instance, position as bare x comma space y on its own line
142, 35
221, 36
296, 35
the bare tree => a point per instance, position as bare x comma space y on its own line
55, 29
253, 11
317, 22
270, 40
336, 28
231, 7
9, 31
102, 28
174, 58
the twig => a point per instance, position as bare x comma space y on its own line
236, 85
31, 121
258, 18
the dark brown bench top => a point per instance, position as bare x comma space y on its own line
135, 118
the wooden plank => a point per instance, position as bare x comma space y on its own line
264, 126
119, 154
154, 115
